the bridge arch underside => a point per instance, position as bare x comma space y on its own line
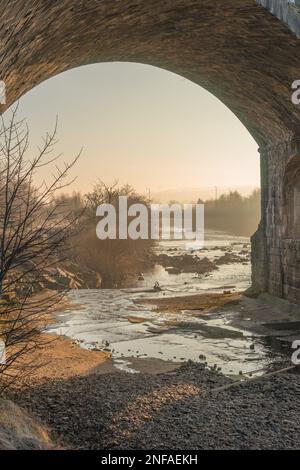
235, 49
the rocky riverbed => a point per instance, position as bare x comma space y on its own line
180, 409
88, 403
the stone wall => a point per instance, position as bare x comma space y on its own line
276, 257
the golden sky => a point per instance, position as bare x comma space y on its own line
144, 126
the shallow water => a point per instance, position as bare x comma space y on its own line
215, 244
101, 320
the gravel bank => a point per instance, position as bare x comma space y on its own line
169, 411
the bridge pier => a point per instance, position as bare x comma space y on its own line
276, 244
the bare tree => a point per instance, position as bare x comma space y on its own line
113, 260
101, 193
109, 194
33, 232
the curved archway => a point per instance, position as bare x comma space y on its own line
214, 44
228, 47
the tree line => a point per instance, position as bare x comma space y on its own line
233, 213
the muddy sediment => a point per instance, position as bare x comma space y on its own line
198, 302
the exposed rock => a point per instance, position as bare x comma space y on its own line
229, 258
185, 264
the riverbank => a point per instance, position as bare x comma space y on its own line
87, 403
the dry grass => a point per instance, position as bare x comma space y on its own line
19, 431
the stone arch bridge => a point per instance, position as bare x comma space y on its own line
245, 52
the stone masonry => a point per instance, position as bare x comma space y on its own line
242, 51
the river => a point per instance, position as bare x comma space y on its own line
109, 319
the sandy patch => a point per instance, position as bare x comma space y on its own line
58, 357
203, 303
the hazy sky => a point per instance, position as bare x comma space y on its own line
142, 125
